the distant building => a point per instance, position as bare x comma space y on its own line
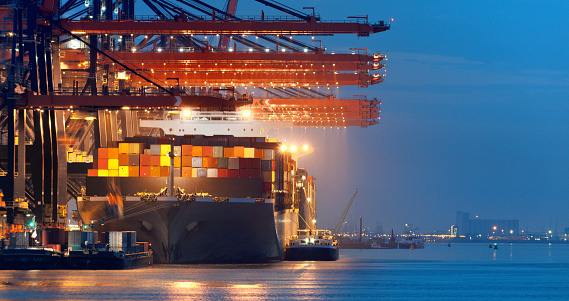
453, 230
463, 222
485, 227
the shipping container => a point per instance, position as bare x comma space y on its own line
123, 159
145, 171
186, 150
186, 171
103, 172
269, 154
103, 163
133, 171
207, 151
255, 163
217, 151
124, 148
177, 151
177, 162
155, 149
186, 161
113, 172
165, 149
177, 172
102, 153
222, 162
259, 153
164, 161
155, 160
228, 152
196, 151
154, 171
196, 162
194, 172
202, 172
232, 163
92, 173
254, 173
123, 171
233, 173
212, 173
243, 173
134, 160
145, 160
222, 173
239, 151
249, 152
164, 171
113, 153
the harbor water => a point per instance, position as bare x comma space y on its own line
438, 272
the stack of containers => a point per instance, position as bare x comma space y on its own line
124, 241
77, 156
132, 160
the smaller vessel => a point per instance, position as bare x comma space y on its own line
412, 243
310, 245
29, 259
106, 260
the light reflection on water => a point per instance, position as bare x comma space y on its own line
438, 272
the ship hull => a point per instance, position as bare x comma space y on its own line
312, 253
195, 231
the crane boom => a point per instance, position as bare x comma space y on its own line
344, 214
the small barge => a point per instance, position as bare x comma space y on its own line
312, 245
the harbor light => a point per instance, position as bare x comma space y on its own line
187, 113
283, 148
246, 113
305, 148
308, 199
293, 148
314, 221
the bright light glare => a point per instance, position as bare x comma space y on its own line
246, 113
187, 113
305, 148
293, 148
283, 148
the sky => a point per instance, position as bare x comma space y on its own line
474, 117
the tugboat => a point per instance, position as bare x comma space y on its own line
311, 245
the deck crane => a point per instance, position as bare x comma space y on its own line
343, 217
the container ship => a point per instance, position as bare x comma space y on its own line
200, 199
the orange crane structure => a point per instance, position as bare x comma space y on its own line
96, 64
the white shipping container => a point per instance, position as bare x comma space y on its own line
269, 154
202, 172
196, 162
177, 151
74, 238
155, 149
218, 151
212, 172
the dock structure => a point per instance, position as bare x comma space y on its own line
80, 76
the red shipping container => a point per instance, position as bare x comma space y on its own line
243, 173
243, 163
267, 187
103, 164
186, 150
207, 151
145, 171
254, 163
145, 160
254, 173
259, 153
92, 173
103, 153
223, 173
154, 160
232, 173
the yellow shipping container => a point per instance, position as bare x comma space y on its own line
124, 148
177, 162
273, 173
249, 152
164, 150
194, 172
113, 173
164, 161
113, 164
103, 172
123, 171
134, 148
71, 157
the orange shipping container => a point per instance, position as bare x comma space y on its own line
205, 162
164, 171
228, 152
154, 160
177, 162
145, 171
186, 161
123, 148
212, 162
207, 151
259, 153
196, 151
133, 171
186, 150
239, 152
92, 173
123, 159
154, 171
186, 172
113, 153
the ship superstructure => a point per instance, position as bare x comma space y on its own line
154, 102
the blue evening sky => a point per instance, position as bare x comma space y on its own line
475, 117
